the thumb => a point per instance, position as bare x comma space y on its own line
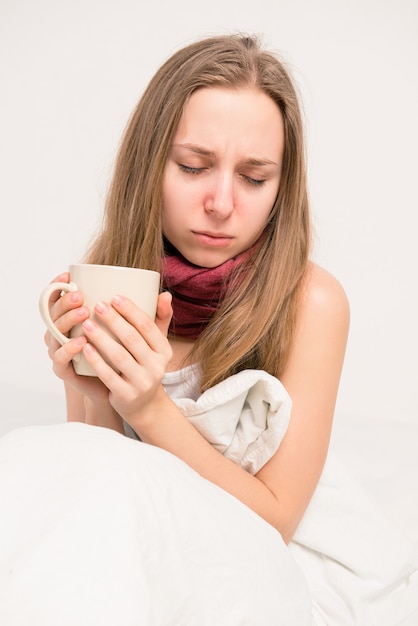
164, 312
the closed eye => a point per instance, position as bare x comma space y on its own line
254, 181
190, 170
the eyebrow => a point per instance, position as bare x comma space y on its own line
210, 153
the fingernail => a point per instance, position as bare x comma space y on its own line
101, 307
89, 325
117, 300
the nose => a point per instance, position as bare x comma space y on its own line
220, 199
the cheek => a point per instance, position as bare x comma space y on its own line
167, 186
270, 201
173, 213
263, 210
169, 200
175, 194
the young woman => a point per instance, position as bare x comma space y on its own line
209, 189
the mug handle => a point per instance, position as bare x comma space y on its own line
44, 308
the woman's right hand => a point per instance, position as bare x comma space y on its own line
66, 311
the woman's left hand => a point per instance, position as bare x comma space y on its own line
141, 357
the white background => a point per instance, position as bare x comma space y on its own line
71, 72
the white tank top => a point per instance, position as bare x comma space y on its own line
184, 383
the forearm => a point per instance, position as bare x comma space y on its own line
162, 424
76, 411
99, 413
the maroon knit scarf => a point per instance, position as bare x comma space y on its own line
196, 291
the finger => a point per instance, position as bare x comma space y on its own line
107, 374
140, 321
52, 344
125, 390
61, 278
63, 356
47, 338
72, 318
164, 312
130, 354
124, 359
61, 303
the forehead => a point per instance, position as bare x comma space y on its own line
246, 119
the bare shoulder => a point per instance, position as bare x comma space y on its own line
323, 317
324, 295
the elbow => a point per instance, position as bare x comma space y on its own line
287, 531
286, 523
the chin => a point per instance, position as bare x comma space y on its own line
208, 260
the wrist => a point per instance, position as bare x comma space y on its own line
101, 413
150, 418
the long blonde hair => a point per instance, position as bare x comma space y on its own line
254, 326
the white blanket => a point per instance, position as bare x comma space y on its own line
96, 528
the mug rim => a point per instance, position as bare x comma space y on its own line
116, 267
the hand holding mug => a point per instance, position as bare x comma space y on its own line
100, 283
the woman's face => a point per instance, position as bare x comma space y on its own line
223, 174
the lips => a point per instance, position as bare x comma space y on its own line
213, 239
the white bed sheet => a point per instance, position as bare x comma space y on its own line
381, 454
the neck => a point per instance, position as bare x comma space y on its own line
182, 353
197, 291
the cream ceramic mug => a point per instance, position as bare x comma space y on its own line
101, 282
